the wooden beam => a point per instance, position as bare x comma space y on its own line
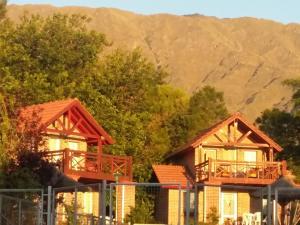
85, 125
75, 125
61, 124
244, 136
71, 133
219, 138
235, 127
232, 144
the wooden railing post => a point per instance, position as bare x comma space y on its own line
99, 156
112, 165
209, 168
67, 162
130, 168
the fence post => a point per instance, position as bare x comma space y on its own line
102, 203
40, 209
20, 213
53, 209
269, 212
187, 204
75, 206
196, 205
0, 209
276, 209
49, 205
110, 204
179, 204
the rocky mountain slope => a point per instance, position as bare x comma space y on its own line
246, 58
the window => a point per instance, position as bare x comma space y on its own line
250, 156
210, 153
55, 144
73, 145
229, 155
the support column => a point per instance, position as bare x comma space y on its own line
125, 200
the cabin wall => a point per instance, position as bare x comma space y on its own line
55, 142
222, 153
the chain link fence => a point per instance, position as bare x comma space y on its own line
21, 206
149, 203
146, 203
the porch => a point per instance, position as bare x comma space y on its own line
239, 172
91, 166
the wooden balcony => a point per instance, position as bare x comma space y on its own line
239, 172
91, 166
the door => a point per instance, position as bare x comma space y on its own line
228, 206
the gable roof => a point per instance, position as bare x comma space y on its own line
51, 111
192, 144
171, 174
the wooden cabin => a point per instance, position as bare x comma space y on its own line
232, 152
75, 140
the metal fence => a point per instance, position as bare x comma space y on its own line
146, 203
286, 205
227, 204
79, 205
21, 206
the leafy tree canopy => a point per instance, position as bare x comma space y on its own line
44, 59
284, 127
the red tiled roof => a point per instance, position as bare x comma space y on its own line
171, 174
50, 111
211, 130
47, 110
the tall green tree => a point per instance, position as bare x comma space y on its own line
205, 107
284, 127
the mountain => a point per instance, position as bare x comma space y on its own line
246, 58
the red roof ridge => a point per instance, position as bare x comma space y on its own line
52, 110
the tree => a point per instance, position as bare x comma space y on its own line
2, 8
205, 107
284, 127
45, 59
295, 85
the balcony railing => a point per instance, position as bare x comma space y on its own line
92, 165
242, 172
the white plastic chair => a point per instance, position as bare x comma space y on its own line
248, 219
257, 218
